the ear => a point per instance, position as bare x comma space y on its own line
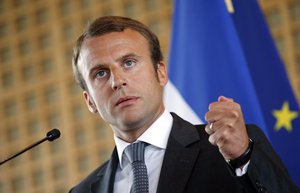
89, 102
162, 73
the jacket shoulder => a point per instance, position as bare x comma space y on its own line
85, 184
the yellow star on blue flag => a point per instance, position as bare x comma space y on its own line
284, 117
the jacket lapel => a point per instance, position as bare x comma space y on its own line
105, 178
181, 153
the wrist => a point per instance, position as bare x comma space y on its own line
242, 159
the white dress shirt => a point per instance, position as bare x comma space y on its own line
156, 136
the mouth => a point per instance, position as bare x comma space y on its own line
125, 101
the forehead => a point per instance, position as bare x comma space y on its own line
127, 38
113, 44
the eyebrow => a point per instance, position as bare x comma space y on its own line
128, 55
119, 59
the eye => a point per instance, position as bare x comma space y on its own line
101, 74
129, 63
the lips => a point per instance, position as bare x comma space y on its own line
128, 100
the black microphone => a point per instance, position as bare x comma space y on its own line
51, 136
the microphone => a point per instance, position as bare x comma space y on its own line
51, 136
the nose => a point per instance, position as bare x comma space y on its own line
117, 79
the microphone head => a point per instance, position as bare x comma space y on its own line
53, 134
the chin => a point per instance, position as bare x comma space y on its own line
132, 122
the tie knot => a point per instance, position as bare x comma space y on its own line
135, 152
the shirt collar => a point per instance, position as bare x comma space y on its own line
157, 135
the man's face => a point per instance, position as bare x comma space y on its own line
122, 83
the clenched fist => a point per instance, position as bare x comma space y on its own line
226, 128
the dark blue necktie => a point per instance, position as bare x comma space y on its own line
135, 153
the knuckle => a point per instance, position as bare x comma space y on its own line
210, 106
230, 127
206, 116
220, 142
212, 139
234, 114
225, 133
207, 129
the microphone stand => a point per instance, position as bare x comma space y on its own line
51, 135
26, 149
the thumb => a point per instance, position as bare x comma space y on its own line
224, 99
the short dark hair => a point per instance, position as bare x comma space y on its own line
108, 24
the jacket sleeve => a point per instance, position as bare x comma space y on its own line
266, 171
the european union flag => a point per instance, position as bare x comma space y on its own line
218, 49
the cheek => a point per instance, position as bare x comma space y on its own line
101, 101
103, 107
105, 98
99, 98
150, 85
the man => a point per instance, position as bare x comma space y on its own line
119, 65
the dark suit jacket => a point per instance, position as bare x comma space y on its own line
192, 165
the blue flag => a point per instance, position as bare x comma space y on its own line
218, 49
